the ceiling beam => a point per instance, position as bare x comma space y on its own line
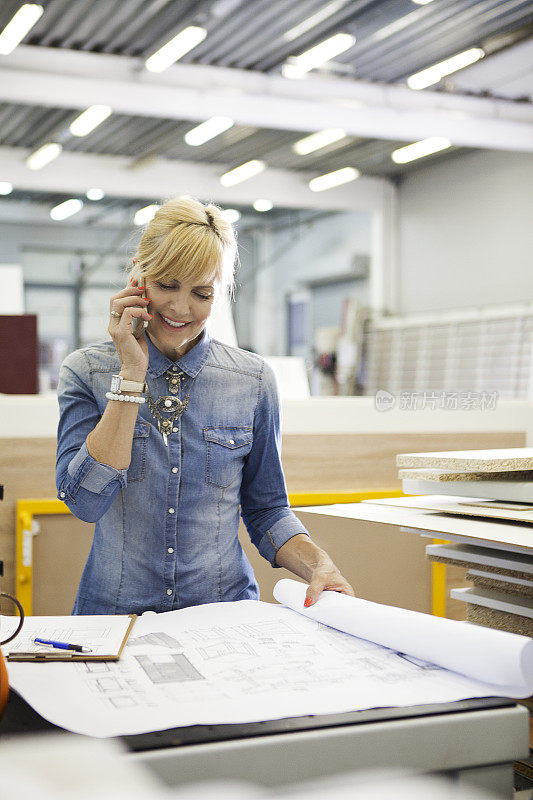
65, 78
73, 173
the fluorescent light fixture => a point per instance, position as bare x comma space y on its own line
95, 194
317, 140
208, 130
43, 155
422, 2
263, 205
322, 53
293, 72
231, 215
431, 75
6, 187
242, 173
18, 27
144, 215
420, 149
331, 179
396, 26
89, 120
167, 55
314, 20
66, 209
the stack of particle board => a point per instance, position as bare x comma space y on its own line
490, 484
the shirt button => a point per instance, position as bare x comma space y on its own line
171, 510
174, 430
62, 495
169, 591
232, 441
174, 369
174, 469
170, 550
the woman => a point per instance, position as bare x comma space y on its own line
162, 472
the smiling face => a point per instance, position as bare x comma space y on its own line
180, 311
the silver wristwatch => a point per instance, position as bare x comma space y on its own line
120, 384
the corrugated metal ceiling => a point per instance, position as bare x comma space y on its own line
394, 39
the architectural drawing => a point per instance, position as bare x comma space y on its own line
158, 638
174, 668
237, 662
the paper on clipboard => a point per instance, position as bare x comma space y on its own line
104, 635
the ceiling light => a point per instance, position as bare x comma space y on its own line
314, 20
263, 205
208, 130
145, 215
95, 194
422, 2
43, 155
324, 51
293, 71
396, 26
6, 187
431, 75
420, 149
66, 209
331, 179
175, 49
18, 27
231, 215
89, 120
242, 173
317, 140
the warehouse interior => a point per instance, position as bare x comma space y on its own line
374, 159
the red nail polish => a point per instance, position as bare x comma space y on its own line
307, 602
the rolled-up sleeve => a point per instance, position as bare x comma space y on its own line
264, 502
84, 484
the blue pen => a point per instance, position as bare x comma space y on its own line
63, 645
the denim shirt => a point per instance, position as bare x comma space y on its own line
166, 527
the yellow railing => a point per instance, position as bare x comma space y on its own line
28, 509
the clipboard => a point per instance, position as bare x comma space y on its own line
43, 656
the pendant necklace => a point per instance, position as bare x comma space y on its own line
171, 405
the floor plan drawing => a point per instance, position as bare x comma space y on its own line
237, 662
174, 668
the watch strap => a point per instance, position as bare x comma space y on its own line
120, 384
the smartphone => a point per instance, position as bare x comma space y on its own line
139, 325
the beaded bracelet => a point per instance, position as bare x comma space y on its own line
127, 398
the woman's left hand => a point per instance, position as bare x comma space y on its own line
303, 557
326, 577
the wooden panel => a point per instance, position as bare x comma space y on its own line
382, 564
60, 550
27, 469
351, 462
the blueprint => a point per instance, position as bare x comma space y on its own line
233, 663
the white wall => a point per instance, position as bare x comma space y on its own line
466, 233
284, 260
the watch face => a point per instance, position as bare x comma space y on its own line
115, 383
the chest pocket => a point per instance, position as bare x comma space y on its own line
137, 467
226, 449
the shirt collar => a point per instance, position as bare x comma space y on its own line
191, 363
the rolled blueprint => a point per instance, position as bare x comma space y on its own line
504, 660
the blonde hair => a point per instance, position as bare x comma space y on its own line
187, 241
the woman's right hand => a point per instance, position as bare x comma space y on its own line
132, 351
